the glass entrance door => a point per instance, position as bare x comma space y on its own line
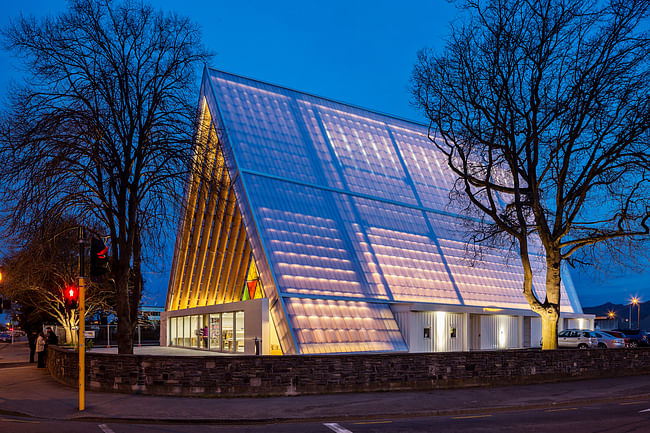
215, 332
227, 335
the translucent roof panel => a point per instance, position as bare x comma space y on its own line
331, 326
352, 205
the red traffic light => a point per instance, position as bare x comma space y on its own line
71, 292
71, 295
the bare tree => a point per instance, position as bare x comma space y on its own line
103, 129
46, 264
541, 109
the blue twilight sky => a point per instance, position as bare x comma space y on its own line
355, 51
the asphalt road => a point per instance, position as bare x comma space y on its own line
622, 416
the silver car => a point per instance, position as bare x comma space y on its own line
580, 338
605, 340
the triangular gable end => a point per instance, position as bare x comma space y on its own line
216, 239
213, 252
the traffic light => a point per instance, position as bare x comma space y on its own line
98, 259
71, 296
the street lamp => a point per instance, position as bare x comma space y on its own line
635, 301
611, 316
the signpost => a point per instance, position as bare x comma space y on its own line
82, 322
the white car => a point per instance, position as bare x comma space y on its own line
605, 340
580, 338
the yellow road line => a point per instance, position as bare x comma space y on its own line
19, 420
373, 422
563, 409
470, 416
633, 402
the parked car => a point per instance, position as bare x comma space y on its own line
5, 337
604, 340
618, 334
636, 337
580, 338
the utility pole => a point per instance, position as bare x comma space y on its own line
82, 319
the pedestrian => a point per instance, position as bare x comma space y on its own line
32, 345
51, 337
40, 349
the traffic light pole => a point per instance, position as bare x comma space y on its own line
81, 310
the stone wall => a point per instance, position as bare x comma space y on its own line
308, 374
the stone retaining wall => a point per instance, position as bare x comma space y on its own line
309, 374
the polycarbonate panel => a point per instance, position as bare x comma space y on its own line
426, 166
308, 242
366, 156
347, 204
332, 326
262, 127
354, 204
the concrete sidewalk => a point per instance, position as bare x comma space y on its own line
26, 390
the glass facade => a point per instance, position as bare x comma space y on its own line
219, 332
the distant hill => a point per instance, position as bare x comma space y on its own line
622, 313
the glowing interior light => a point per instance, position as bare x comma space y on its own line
441, 337
502, 338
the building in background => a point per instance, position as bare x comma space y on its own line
150, 313
319, 227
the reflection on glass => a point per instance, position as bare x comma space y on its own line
239, 335
215, 331
194, 327
204, 331
173, 333
187, 332
227, 332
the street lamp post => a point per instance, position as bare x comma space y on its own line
635, 302
629, 318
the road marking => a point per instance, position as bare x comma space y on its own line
633, 402
470, 416
19, 420
644, 410
562, 409
373, 422
336, 428
105, 428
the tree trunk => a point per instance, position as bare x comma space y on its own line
68, 326
551, 312
550, 317
124, 325
68, 334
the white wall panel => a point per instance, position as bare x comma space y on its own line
499, 332
578, 324
440, 325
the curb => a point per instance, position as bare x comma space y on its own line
15, 364
350, 417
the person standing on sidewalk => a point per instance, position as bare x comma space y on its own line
32, 337
40, 350
51, 337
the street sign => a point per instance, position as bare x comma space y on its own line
89, 334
